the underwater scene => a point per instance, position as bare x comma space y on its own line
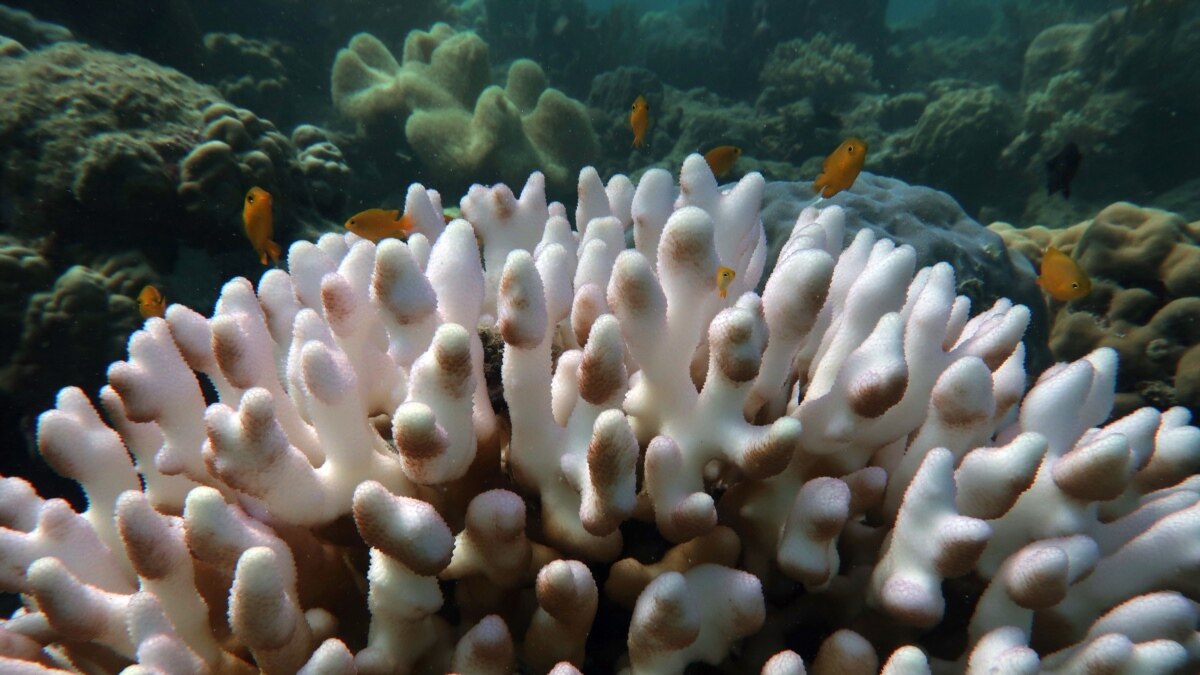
599, 336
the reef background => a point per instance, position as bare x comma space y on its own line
967, 96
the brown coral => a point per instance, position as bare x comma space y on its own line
1145, 303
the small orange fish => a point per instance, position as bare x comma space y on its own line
376, 224
639, 120
721, 159
151, 302
1062, 277
841, 167
259, 223
725, 277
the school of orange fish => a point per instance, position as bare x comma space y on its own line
1060, 276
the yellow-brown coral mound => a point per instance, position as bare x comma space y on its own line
1145, 302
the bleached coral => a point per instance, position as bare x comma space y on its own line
853, 435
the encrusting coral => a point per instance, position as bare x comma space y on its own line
827, 458
461, 128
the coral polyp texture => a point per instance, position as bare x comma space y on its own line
848, 464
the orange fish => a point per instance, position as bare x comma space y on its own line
725, 277
151, 302
1062, 277
841, 167
376, 224
721, 158
639, 119
256, 216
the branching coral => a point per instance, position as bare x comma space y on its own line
853, 431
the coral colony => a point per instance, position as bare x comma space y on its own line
832, 465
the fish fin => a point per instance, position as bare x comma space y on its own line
274, 251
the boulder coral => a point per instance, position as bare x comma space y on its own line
93, 136
111, 125
460, 128
1145, 302
254, 74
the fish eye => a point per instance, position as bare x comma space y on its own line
850, 149
249, 199
1074, 284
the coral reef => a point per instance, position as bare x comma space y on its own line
988, 59
237, 150
957, 139
27, 31
683, 38
750, 30
866, 442
461, 129
937, 229
573, 41
1145, 299
112, 124
168, 35
1087, 83
683, 122
821, 69
102, 137
254, 74
75, 328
